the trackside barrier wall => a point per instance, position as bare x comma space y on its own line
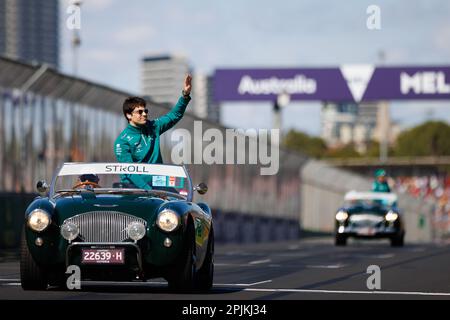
12, 210
323, 189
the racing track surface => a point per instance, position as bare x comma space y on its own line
304, 269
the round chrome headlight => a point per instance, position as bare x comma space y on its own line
136, 230
69, 231
39, 220
391, 216
168, 220
341, 216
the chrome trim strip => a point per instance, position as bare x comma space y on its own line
106, 205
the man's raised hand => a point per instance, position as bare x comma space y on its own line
188, 84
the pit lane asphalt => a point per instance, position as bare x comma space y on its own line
294, 270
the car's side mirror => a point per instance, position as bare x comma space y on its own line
42, 187
202, 188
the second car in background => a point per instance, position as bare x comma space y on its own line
369, 215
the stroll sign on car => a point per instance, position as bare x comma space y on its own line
121, 168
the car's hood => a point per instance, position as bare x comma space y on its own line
141, 206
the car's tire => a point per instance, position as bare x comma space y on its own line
32, 276
398, 240
340, 240
205, 274
58, 280
183, 275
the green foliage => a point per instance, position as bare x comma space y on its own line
429, 139
301, 142
373, 150
347, 151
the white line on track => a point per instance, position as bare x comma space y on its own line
259, 261
350, 292
416, 250
291, 254
376, 256
153, 282
242, 284
165, 283
331, 266
5, 279
410, 293
239, 253
231, 265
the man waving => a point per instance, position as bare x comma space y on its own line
139, 142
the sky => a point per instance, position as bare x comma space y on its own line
116, 34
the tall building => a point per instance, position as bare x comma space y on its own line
213, 108
200, 94
204, 106
29, 30
336, 120
162, 77
344, 123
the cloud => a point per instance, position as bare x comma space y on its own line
136, 34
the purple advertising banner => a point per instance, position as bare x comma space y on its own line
409, 83
347, 83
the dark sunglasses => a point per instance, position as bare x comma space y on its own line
141, 111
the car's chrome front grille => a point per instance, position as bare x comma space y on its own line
104, 226
366, 220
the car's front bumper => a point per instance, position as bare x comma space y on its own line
367, 232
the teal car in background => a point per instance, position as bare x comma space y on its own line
92, 218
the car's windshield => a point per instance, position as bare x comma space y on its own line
122, 177
368, 203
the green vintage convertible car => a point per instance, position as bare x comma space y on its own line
93, 217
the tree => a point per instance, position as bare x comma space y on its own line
347, 151
302, 142
373, 150
429, 139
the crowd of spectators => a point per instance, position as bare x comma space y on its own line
434, 188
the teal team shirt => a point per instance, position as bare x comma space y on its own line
380, 187
142, 144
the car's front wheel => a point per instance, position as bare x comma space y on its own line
340, 240
183, 275
205, 274
58, 279
32, 276
398, 240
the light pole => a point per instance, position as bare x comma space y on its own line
384, 127
384, 120
283, 99
76, 41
